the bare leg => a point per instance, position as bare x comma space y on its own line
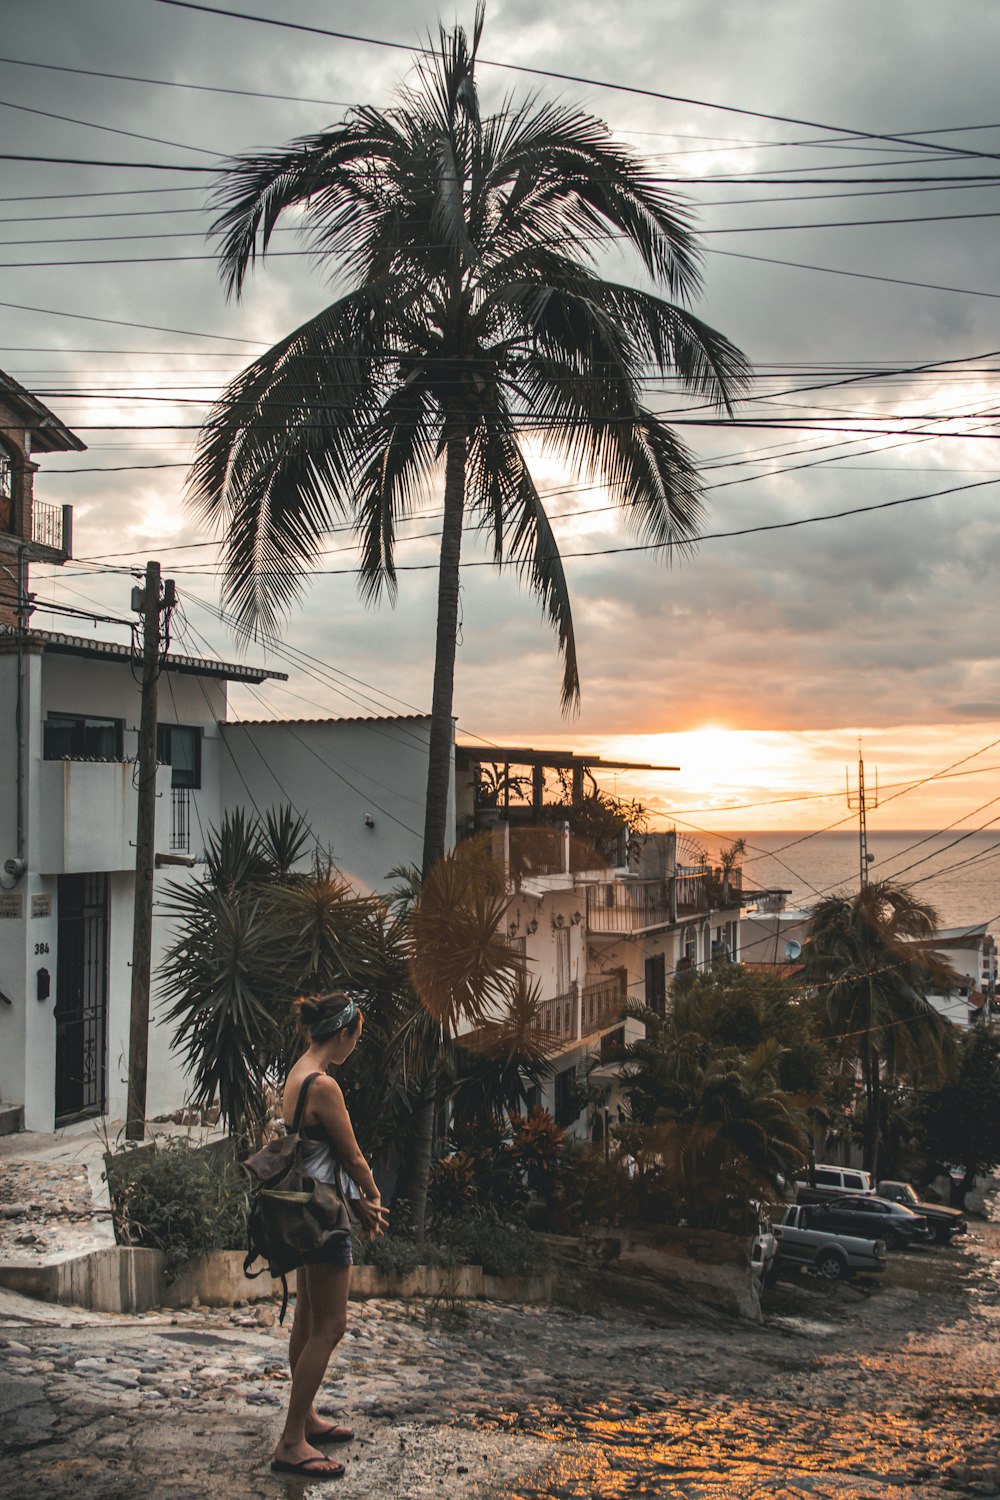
301, 1330
327, 1289
302, 1322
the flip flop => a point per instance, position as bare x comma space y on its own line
306, 1468
332, 1434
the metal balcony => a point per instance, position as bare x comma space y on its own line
52, 527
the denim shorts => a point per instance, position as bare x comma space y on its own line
340, 1253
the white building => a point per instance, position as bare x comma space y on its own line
66, 923
594, 931
972, 953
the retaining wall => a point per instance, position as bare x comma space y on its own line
123, 1280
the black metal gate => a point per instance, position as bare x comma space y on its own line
81, 997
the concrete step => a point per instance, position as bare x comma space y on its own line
11, 1118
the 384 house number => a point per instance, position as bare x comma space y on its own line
41, 947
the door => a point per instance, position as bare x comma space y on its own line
562, 961
81, 997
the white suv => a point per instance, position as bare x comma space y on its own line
831, 1180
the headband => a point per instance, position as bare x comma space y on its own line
330, 1025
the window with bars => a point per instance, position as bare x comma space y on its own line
180, 819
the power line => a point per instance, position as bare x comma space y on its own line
855, 134
192, 333
90, 161
931, 286
963, 183
111, 129
188, 234
729, 142
203, 88
665, 546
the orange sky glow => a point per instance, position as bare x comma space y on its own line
731, 779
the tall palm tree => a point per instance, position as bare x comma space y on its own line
870, 957
472, 314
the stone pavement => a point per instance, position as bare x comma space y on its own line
53, 1200
877, 1389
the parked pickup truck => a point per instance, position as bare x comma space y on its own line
833, 1256
944, 1221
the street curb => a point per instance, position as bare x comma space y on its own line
126, 1280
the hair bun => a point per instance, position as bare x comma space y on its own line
309, 1009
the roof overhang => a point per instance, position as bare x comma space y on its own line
75, 645
48, 433
523, 755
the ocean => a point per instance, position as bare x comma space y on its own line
958, 874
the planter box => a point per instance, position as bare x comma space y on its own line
122, 1280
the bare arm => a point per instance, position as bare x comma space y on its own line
327, 1100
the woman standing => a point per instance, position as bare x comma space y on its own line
332, 1025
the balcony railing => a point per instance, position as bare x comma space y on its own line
621, 906
558, 1016
537, 851
706, 889
180, 819
50, 525
584, 1010
602, 1001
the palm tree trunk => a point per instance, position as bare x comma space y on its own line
440, 759
441, 748
873, 1103
418, 1167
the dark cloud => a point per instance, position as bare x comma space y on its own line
881, 619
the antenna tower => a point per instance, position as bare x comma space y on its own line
862, 801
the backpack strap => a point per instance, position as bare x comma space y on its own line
300, 1104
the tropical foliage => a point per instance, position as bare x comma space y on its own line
472, 318
476, 1025
708, 1099
253, 935
870, 959
959, 1124
721, 1126
178, 1198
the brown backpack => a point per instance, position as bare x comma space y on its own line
294, 1220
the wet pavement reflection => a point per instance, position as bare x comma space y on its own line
886, 1391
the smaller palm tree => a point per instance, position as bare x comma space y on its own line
871, 958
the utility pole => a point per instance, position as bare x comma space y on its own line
862, 801
148, 601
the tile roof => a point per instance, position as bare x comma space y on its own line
332, 719
78, 645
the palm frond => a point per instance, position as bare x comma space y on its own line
500, 486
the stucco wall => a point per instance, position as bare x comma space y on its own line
360, 784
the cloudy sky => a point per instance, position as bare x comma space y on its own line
756, 665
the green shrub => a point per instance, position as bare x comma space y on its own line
178, 1198
472, 1237
631, 1186
502, 1248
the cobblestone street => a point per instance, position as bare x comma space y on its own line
887, 1388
